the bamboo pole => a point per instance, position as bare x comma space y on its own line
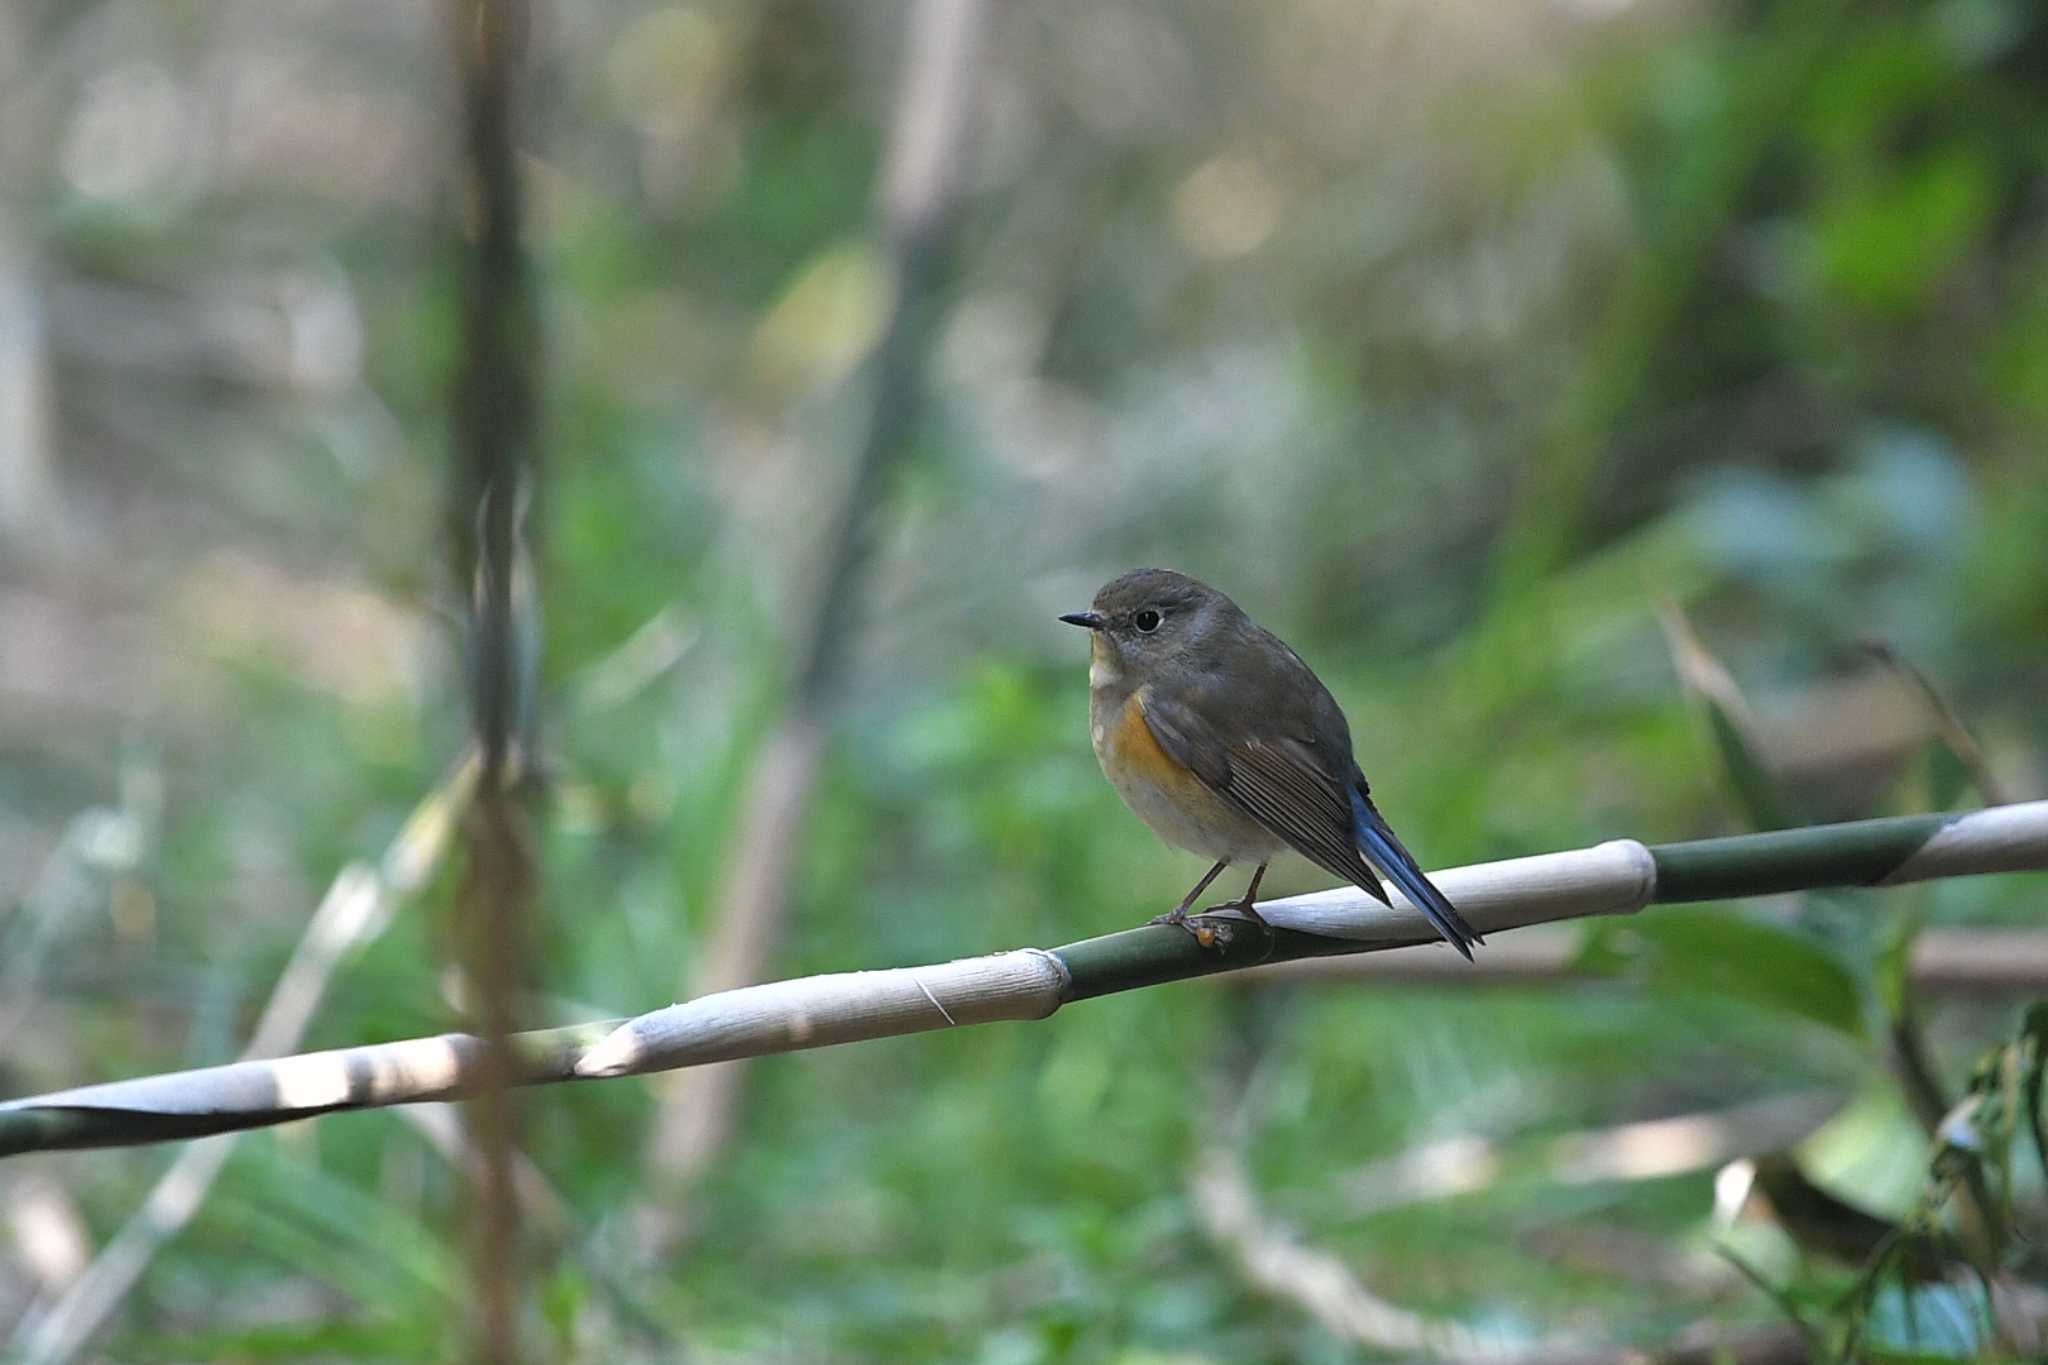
1614, 878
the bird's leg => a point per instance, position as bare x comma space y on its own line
1243, 905
1179, 913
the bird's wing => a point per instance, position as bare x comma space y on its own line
1285, 783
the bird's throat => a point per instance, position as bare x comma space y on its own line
1105, 669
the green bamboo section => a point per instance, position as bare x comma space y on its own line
252, 1094
1158, 953
1818, 857
1862, 853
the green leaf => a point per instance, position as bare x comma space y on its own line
2034, 1033
1731, 956
1764, 801
1765, 805
1889, 241
1894, 962
1948, 777
330, 1338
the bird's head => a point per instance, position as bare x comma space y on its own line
1145, 618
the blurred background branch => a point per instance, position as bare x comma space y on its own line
497, 481
1274, 1260
28, 506
921, 181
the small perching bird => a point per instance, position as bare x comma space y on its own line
1220, 738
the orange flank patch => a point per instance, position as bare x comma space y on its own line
1174, 803
1139, 753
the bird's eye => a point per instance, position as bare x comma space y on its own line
1146, 621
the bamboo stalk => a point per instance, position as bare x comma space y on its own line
1619, 877
494, 445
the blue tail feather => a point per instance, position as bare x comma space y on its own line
1378, 843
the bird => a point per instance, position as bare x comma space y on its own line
1225, 743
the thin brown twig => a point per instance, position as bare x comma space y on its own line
1947, 723
496, 462
495, 904
920, 190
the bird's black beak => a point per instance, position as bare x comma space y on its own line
1091, 619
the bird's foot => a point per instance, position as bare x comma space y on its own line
1233, 917
1244, 909
1204, 933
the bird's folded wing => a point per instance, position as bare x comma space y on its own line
1279, 782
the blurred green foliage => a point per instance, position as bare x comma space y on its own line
1446, 342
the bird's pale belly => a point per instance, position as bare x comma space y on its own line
1177, 805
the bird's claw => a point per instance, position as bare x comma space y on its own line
1214, 933
1210, 933
1204, 933
1242, 910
